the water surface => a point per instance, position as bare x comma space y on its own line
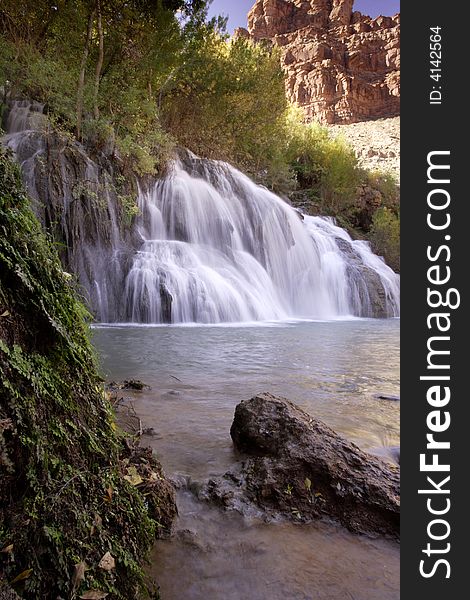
198, 375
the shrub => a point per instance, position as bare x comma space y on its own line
324, 165
385, 236
386, 183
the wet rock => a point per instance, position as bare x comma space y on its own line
166, 303
180, 482
77, 195
230, 492
190, 538
142, 469
374, 291
150, 431
127, 384
389, 397
374, 302
299, 467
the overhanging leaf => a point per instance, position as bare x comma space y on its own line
23, 575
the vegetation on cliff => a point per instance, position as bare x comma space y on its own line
65, 502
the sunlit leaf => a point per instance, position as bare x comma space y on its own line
133, 476
23, 575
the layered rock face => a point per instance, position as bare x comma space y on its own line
341, 66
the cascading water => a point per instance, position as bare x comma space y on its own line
219, 248
211, 246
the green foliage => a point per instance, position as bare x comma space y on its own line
130, 208
228, 100
63, 498
142, 45
385, 236
165, 80
387, 184
170, 80
325, 166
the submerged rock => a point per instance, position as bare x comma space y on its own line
390, 397
394, 452
299, 467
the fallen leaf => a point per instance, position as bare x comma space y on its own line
7, 549
5, 314
107, 563
93, 595
133, 476
24, 575
79, 574
109, 496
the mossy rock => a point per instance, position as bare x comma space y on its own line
63, 494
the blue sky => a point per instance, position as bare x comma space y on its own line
237, 10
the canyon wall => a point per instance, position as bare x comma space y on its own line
341, 66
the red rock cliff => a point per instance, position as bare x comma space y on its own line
341, 66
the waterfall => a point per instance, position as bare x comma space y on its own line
209, 246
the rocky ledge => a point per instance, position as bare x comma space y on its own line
376, 143
297, 467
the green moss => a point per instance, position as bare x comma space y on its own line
63, 497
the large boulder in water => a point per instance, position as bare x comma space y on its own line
301, 468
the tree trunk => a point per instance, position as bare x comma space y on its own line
99, 64
81, 78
